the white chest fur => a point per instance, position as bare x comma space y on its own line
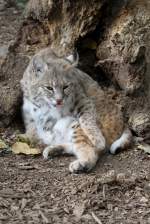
59, 131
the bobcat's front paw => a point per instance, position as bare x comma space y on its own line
79, 167
51, 151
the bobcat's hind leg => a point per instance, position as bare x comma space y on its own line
85, 152
123, 142
85, 162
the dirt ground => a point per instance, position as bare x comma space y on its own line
35, 191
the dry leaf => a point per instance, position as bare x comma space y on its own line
144, 147
24, 148
23, 138
3, 145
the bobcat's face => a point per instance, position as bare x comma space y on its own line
56, 92
53, 85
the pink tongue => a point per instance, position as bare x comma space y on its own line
59, 104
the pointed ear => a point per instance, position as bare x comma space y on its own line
39, 66
73, 58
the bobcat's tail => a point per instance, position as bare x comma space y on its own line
122, 143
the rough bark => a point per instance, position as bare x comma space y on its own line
112, 38
122, 52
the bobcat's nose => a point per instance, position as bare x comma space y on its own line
59, 101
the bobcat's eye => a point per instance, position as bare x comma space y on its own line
49, 88
65, 87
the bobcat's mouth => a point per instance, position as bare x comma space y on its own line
56, 103
59, 103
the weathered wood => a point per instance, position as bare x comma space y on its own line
122, 52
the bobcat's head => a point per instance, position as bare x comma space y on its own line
52, 80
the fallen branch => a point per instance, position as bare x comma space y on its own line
96, 218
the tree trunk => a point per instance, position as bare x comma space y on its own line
113, 41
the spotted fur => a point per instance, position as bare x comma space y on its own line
66, 110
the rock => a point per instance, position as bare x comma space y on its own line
145, 147
140, 123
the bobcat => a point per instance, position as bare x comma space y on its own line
65, 109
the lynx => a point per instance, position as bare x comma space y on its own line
66, 110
